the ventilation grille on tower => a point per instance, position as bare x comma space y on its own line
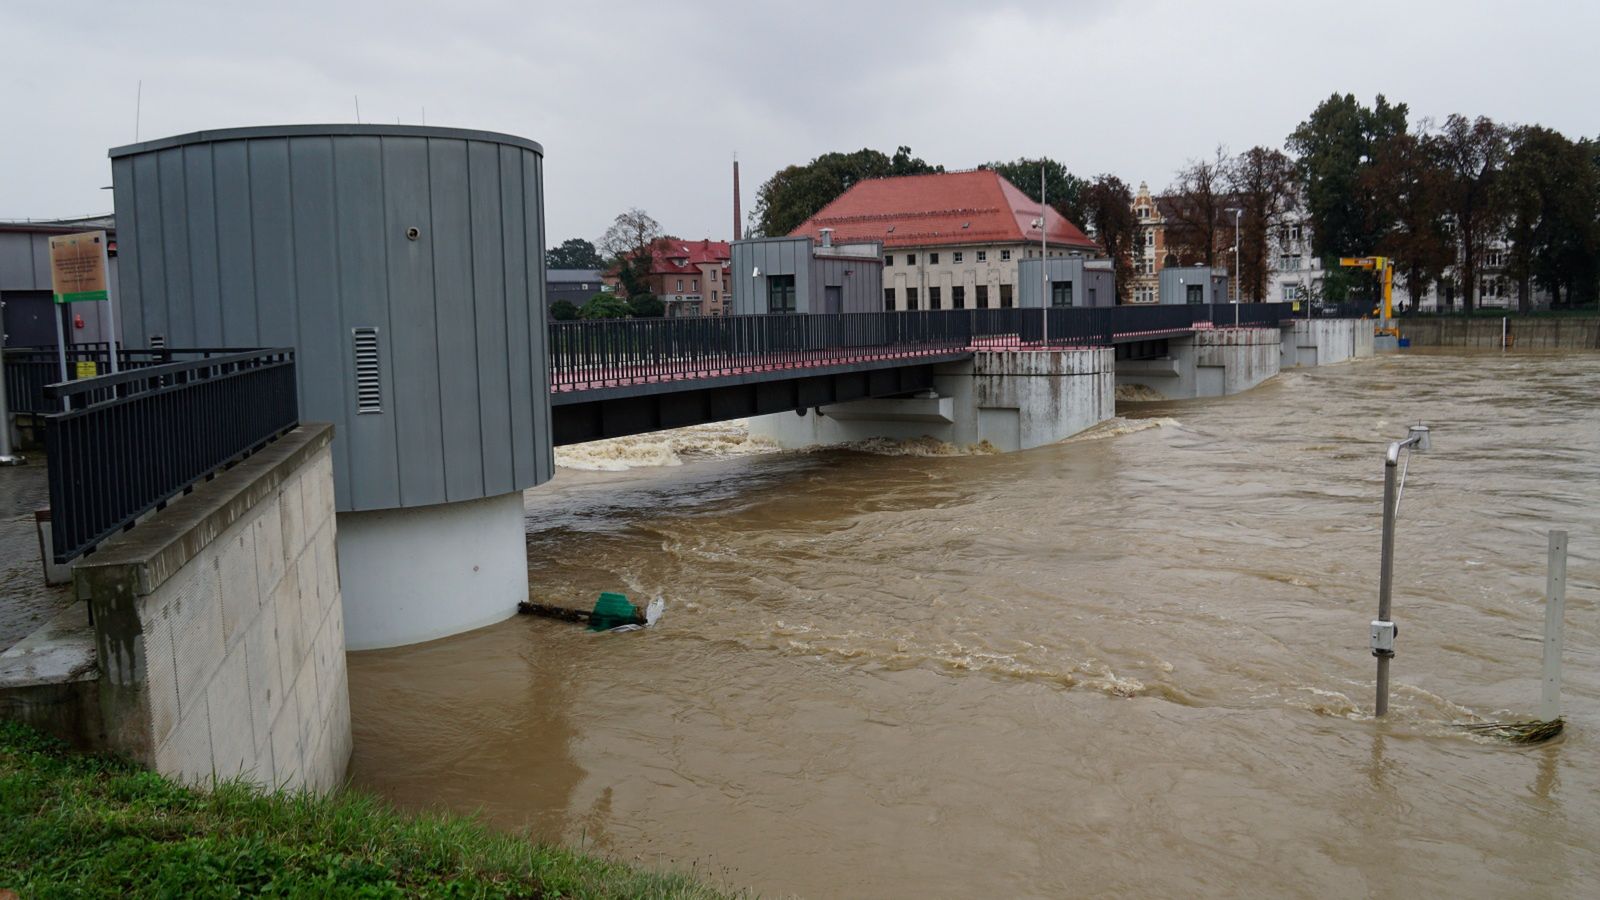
369, 395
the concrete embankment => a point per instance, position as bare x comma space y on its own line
1525, 332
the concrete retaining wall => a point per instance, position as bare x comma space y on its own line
1011, 400
1527, 332
220, 630
1321, 342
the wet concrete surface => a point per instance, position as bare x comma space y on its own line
26, 602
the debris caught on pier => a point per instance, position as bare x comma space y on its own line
611, 612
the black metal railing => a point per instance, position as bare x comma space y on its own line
612, 352
132, 441
29, 369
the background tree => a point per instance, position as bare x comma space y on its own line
628, 246
1263, 185
1334, 146
1194, 208
1064, 190
1550, 191
797, 193
1407, 186
574, 253
604, 306
1471, 154
646, 306
1108, 207
563, 311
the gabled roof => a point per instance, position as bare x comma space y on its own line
673, 255
977, 207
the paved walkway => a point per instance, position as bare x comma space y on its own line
26, 602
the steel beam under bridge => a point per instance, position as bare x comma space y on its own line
591, 415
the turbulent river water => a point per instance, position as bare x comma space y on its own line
1130, 664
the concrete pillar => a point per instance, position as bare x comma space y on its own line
420, 573
1009, 400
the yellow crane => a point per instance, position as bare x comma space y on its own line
1385, 267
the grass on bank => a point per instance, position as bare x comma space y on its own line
74, 825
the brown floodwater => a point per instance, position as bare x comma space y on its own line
1130, 664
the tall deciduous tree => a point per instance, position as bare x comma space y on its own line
796, 193
1472, 154
1063, 190
1194, 208
574, 253
1334, 146
1407, 185
627, 247
1108, 206
1263, 186
1550, 189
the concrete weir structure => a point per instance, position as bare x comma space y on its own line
405, 266
1011, 400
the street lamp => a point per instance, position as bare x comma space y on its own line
1238, 280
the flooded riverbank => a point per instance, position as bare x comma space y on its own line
1133, 663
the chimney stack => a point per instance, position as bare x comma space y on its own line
736, 196
827, 237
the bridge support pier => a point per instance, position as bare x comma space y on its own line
1211, 363
1321, 342
1012, 400
419, 573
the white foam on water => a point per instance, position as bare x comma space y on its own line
664, 448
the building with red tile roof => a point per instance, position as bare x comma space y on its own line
951, 240
689, 277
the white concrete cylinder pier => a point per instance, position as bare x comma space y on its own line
428, 572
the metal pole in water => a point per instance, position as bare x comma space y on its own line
1555, 593
1383, 627
1502, 332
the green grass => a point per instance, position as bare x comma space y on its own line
73, 825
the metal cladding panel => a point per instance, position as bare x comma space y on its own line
367, 449
299, 235
455, 315
175, 241
493, 339
200, 213
16, 263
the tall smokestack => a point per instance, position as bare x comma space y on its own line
736, 196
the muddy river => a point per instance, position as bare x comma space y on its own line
1130, 664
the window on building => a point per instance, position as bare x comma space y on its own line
1195, 294
934, 300
780, 293
956, 256
1144, 212
680, 285
1493, 259
958, 296
1150, 238
983, 256
694, 285
911, 259
888, 259
933, 259
713, 296
1060, 293
1005, 296
911, 298
983, 296
1290, 292
1005, 255
1294, 261
1294, 232
888, 299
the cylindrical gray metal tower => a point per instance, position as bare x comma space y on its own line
406, 267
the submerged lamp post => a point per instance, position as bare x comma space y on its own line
1383, 630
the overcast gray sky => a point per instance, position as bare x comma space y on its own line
644, 104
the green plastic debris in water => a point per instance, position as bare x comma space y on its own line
612, 610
